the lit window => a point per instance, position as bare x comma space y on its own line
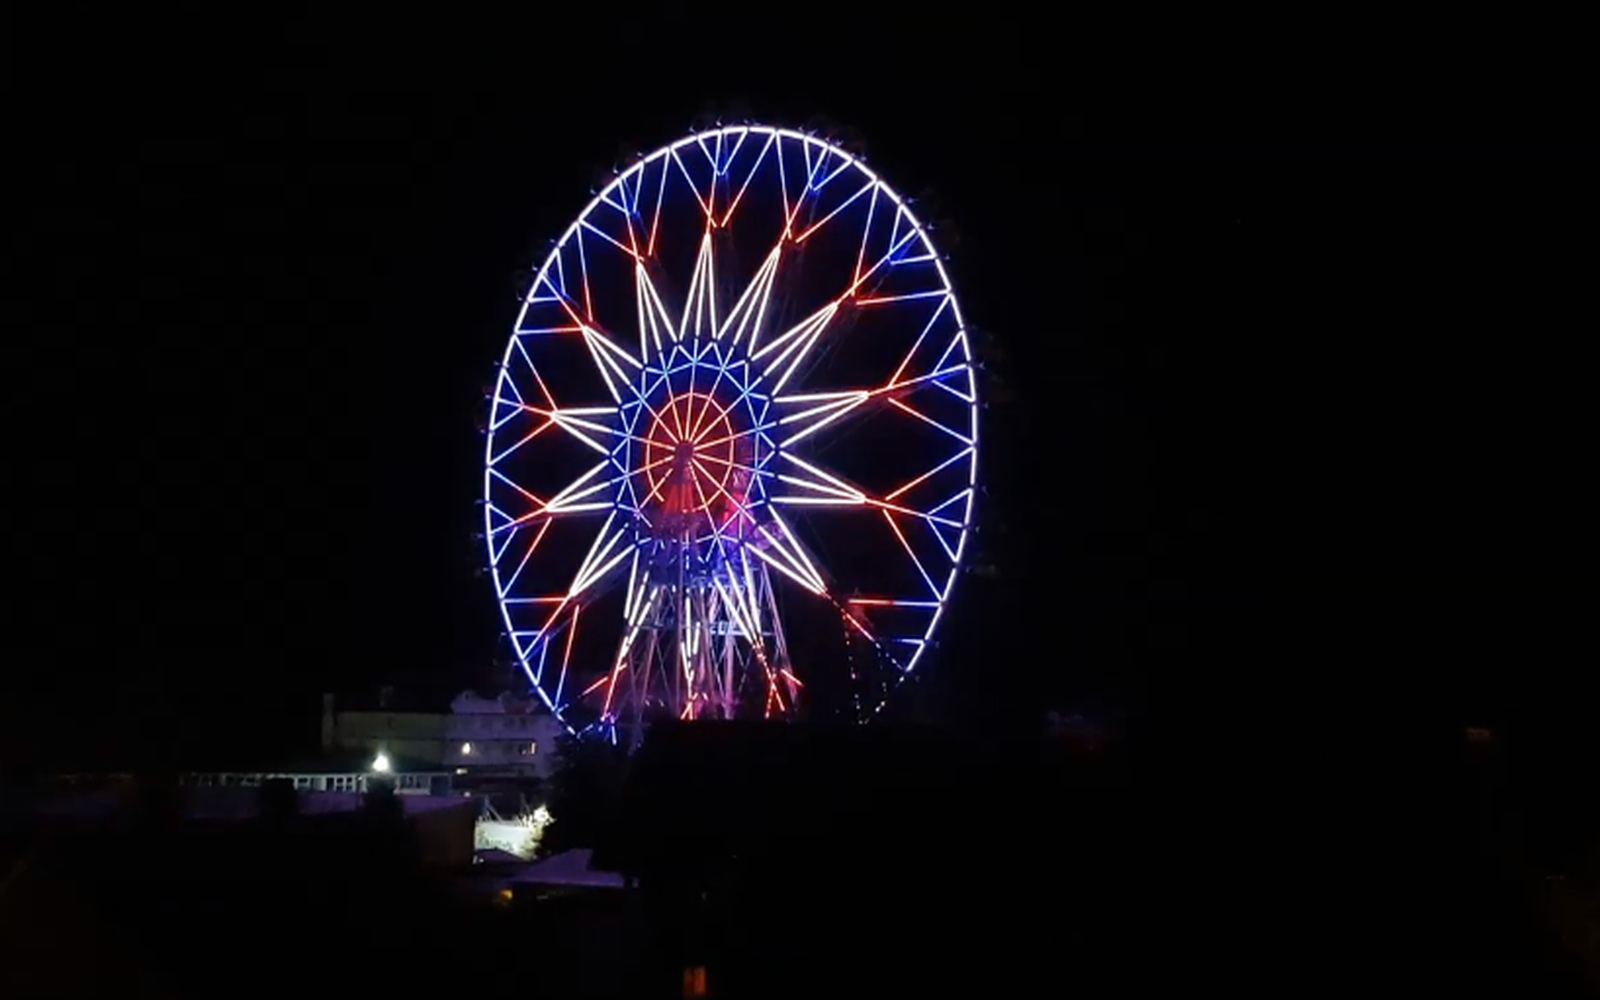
533, 748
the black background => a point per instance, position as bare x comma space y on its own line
1286, 348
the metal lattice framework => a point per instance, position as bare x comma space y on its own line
738, 405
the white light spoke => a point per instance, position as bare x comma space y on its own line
835, 484
524, 439
894, 248
787, 570
964, 439
700, 314
575, 422
595, 553
792, 548
823, 415
953, 459
750, 311
795, 345
611, 560
611, 240
572, 491
904, 362
653, 316
760, 158
705, 208
933, 587
612, 349
869, 186
881, 300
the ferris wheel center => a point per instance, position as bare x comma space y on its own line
691, 456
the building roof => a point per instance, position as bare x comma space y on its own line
414, 702
505, 703
238, 804
339, 760
567, 868
397, 698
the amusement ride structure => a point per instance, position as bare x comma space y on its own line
733, 441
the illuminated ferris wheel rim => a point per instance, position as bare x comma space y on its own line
609, 195
692, 138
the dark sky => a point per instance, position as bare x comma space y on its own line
274, 267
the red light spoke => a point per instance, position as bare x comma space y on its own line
533, 545
572, 633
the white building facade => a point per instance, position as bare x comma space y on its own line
503, 736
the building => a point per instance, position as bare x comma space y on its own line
476, 738
143, 888
340, 770
504, 736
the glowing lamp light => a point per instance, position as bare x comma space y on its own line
466, 748
380, 763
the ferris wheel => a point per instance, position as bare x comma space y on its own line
733, 442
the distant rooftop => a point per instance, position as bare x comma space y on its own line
572, 867
338, 760
235, 804
390, 699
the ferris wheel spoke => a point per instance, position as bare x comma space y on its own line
806, 233
810, 412
596, 231
587, 423
700, 310
608, 681
520, 442
791, 559
657, 331
506, 587
616, 367
760, 158
958, 435
922, 570
582, 424
573, 500
702, 199
729, 463
866, 233
790, 349
750, 309
583, 487
781, 539
828, 490
793, 345
609, 359
610, 547
897, 244
812, 170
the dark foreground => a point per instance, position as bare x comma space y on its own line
795, 863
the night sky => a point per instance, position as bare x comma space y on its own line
274, 270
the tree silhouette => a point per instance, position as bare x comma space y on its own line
584, 791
